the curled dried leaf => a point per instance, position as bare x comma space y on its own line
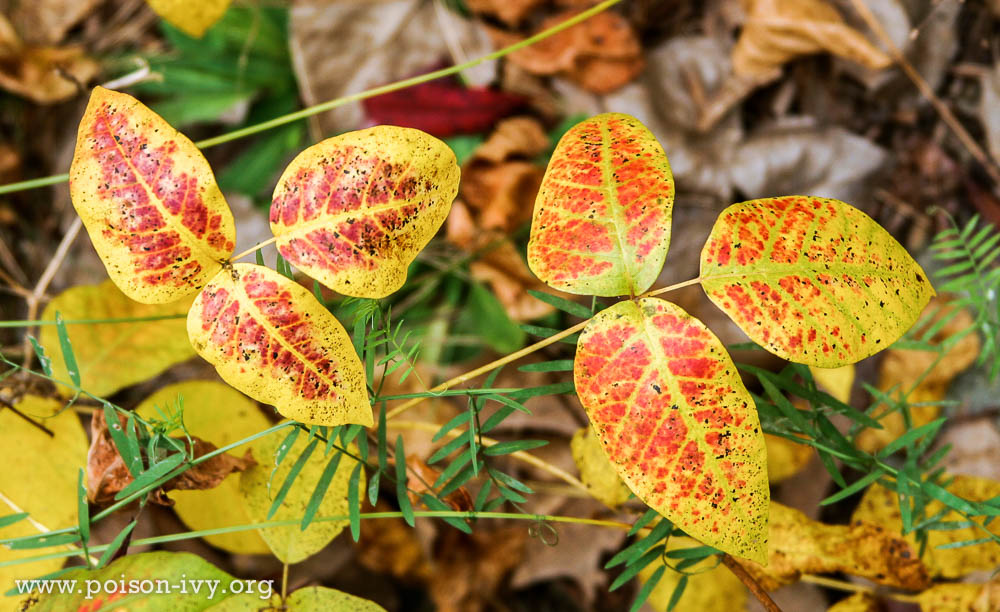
107, 474
777, 31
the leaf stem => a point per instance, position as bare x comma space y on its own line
174, 537
461, 378
332, 104
34, 322
254, 248
758, 591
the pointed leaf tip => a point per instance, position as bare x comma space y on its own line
813, 280
353, 211
676, 422
601, 224
148, 199
269, 337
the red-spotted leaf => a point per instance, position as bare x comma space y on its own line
676, 422
149, 201
601, 224
353, 211
812, 280
269, 337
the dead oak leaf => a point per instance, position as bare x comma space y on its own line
777, 31
601, 54
511, 12
107, 474
469, 568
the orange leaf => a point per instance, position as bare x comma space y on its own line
353, 211
269, 337
676, 422
812, 280
149, 201
601, 224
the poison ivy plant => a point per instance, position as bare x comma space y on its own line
813, 280
352, 211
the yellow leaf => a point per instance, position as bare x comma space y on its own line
148, 199
881, 506
596, 471
601, 224
798, 545
964, 597
932, 374
39, 476
785, 458
835, 381
859, 602
353, 211
216, 413
269, 337
777, 31
676, 422
813, 280
192, 17
708, 589
322, 599
112, 356
260, 484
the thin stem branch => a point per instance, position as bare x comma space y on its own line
841, 585
758, 591
174, 537
46, 278
338, 102
38, 322
489, 367
254, 248
988, 163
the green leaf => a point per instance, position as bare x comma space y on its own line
69, 358
286, 486
567, 306
401, 493
506, 448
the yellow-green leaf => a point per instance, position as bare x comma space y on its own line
148, 199
835, 381
260, 484
111, 356
353, 211
153, 581
192, 17
596, 472
963, 597
676, 422
269, 337
709, 589
812, 280
39, 476
308, 599
880, 506
601, 224
218, 414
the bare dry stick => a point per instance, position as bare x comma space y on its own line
758, 591
985, 160
43, 283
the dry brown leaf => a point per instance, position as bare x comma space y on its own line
880, 506
502, 194
469, 568
601, 54
511, 12
777, 31
508, 276
965, 597
47, 21
40, 73
421, 478
513, 137
798, 545
903, 368
107, 474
